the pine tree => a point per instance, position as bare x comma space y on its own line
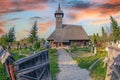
10, 37
33, 34
104, 35
115, 29
94, 39
3, 40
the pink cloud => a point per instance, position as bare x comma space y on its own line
45, 26
8, 6
2, 31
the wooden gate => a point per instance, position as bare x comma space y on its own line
34, 67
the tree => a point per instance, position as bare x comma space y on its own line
36, 45
115, 29
104, 35
94, 39
33, 34
97, 37
10, 37
3, 40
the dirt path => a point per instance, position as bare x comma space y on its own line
69, 69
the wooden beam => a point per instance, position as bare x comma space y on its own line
30, 57
27, 70
28, 77
115, 71
42, 73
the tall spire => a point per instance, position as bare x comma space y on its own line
59, 8
59, 15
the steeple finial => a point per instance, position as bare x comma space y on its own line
59, 8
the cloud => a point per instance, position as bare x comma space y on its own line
8, 6
2, 31
93, 10
36, 18
97, 22
109, 6
14, 19
103, 21
79, 4
44, 26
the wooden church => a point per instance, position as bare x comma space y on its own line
65, 34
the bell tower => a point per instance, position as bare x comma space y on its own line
59, 15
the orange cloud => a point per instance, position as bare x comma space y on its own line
113, 1
103, 21
44, 26
93, 13
8, 6
100, 22
118, 19
2, 31
102, 10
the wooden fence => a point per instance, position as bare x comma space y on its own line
34, 67
113, 68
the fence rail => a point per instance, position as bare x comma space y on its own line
34, 67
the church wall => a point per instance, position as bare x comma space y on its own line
68, 44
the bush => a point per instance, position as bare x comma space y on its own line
36, 45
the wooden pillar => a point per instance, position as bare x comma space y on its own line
11, 72
61, 44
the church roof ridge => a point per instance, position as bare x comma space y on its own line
71, 25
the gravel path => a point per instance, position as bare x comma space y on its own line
69, 69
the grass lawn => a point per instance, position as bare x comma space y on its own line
54, 69
3, 74
97, 72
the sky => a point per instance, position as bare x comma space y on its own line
90, 14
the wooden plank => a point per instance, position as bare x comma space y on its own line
28, 77
24, 71
38, 69
31, 56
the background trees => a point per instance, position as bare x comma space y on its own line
33, 33
104, 35
115, 29
10, 37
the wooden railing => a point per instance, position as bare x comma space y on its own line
113, 73
34, 67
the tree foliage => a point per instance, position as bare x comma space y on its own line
104, 35
115, 29
33, 34
36, 45
10, 37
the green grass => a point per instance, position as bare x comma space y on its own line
97, 72
85, 62
85, 49
3, 74
54, 69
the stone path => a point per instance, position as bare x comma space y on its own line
69, 69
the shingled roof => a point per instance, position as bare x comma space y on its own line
68, 32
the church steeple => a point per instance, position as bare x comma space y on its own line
59, 8
59, 15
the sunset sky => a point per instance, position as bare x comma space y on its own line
91, 14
